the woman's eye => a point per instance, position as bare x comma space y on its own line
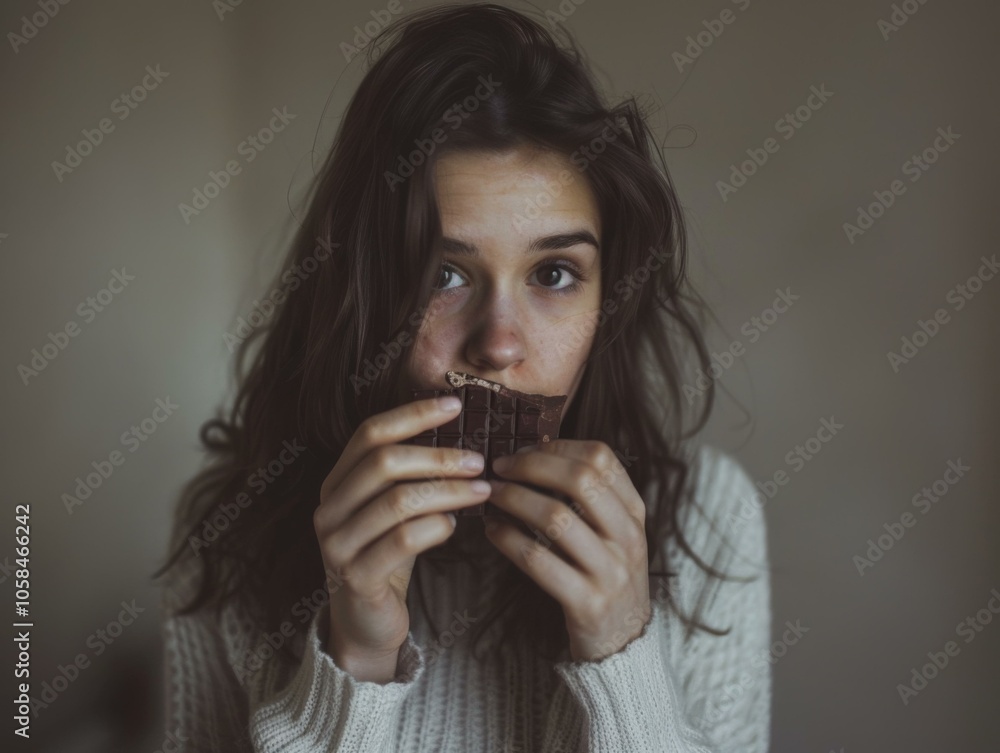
447, 276
557, 277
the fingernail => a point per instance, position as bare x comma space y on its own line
453, 518
528, 448
472, 461
480, 486
449, 403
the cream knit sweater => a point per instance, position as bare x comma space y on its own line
664, 691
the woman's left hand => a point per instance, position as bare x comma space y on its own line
600, 572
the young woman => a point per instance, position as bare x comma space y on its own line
481, 210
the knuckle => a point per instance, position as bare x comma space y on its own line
404, 537
369, 430
587, 478
557, 518
381, 460
597, 454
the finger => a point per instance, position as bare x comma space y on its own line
560, 469
397, 505
561, 580
389, 427
557, 522
396, 547
384, 466
612, 474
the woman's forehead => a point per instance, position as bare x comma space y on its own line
523, 195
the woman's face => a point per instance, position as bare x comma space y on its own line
520, 286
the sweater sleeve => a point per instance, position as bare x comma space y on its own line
228, 690
629, 699
700, 693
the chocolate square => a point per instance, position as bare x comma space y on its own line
495, 421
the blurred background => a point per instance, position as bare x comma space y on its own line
837, 163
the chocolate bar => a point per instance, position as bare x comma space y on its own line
495, 421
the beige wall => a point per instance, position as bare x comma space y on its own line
826, 356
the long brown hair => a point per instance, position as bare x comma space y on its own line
365, 263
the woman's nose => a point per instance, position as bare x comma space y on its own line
495, 340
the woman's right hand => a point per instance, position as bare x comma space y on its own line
375, 516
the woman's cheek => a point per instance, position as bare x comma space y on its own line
436, 344
572, 333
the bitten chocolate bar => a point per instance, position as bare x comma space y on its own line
495, 421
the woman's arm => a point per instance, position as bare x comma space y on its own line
707, 694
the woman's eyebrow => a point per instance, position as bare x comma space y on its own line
542, 243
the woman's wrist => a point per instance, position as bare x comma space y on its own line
366, 667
